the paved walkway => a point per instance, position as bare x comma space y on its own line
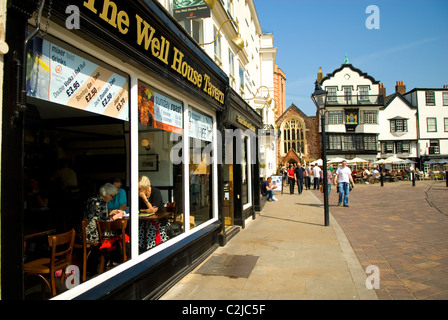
404, 231
286, 253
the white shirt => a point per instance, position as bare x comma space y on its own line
376, 173
344, 174
316, 171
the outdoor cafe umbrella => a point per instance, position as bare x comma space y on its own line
442, 161
318, 161
380, 161
408, 161
336, 160
357, 160
393, 160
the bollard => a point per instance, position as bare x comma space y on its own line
413, 178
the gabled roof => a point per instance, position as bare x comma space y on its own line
349, 65
292, 108
392, 97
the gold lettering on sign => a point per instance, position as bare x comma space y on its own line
245, 123
156, 46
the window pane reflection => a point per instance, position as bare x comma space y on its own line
160, 185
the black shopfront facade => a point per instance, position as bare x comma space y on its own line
240, 167
126, 94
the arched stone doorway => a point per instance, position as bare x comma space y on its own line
291, 157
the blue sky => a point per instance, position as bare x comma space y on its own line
411, 44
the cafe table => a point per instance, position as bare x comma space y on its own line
150, 218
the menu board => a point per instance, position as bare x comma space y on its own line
159, 111
58, 75
200, 126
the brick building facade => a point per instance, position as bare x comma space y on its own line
279, 91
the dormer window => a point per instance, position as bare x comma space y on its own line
398, 125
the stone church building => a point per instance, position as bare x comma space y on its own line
299, 138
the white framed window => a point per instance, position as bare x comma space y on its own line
431, 124
332, 92
445, 98
241, 75
347, 94
194, 28
430, 98
370, 116
335, 117
231, 64
363, 93
217, 43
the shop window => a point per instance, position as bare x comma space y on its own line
160, 180
75, 149
200, 134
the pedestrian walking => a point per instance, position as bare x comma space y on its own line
299, 174
307, 177
343, 179
316, 175
291, 179
329, 180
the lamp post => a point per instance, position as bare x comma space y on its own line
319, 98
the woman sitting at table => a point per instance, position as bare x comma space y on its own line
150, 198
96, 210
153, 232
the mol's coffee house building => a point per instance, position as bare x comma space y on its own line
112, 93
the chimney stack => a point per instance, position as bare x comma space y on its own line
382, 90
445, 86
400, 87
320, 75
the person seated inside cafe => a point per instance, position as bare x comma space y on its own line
155, 231
120, 201
96, 210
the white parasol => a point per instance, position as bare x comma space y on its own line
337, 160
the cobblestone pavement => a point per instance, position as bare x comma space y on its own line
402, 229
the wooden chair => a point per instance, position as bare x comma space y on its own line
106, 231
171, 208
61, 246
86, 247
